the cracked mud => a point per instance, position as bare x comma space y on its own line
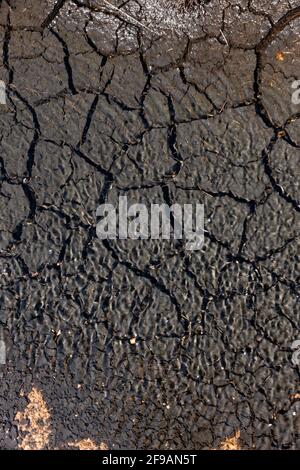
141, 344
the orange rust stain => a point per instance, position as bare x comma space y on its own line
281, 134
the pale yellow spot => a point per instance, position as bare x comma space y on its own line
88, 444
34, 423
295, 396
231, 443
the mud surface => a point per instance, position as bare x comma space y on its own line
142, 344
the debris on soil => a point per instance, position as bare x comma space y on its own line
88, 444
279, 56
295, 396
34, 423
231, 443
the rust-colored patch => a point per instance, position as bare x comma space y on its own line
231, 443
281, 134
34, 422
279, 56
88, 444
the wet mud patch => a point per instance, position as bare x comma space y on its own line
141, 344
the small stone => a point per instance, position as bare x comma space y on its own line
279, 56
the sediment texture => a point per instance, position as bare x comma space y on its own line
141, 344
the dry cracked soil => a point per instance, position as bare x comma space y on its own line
142, 344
